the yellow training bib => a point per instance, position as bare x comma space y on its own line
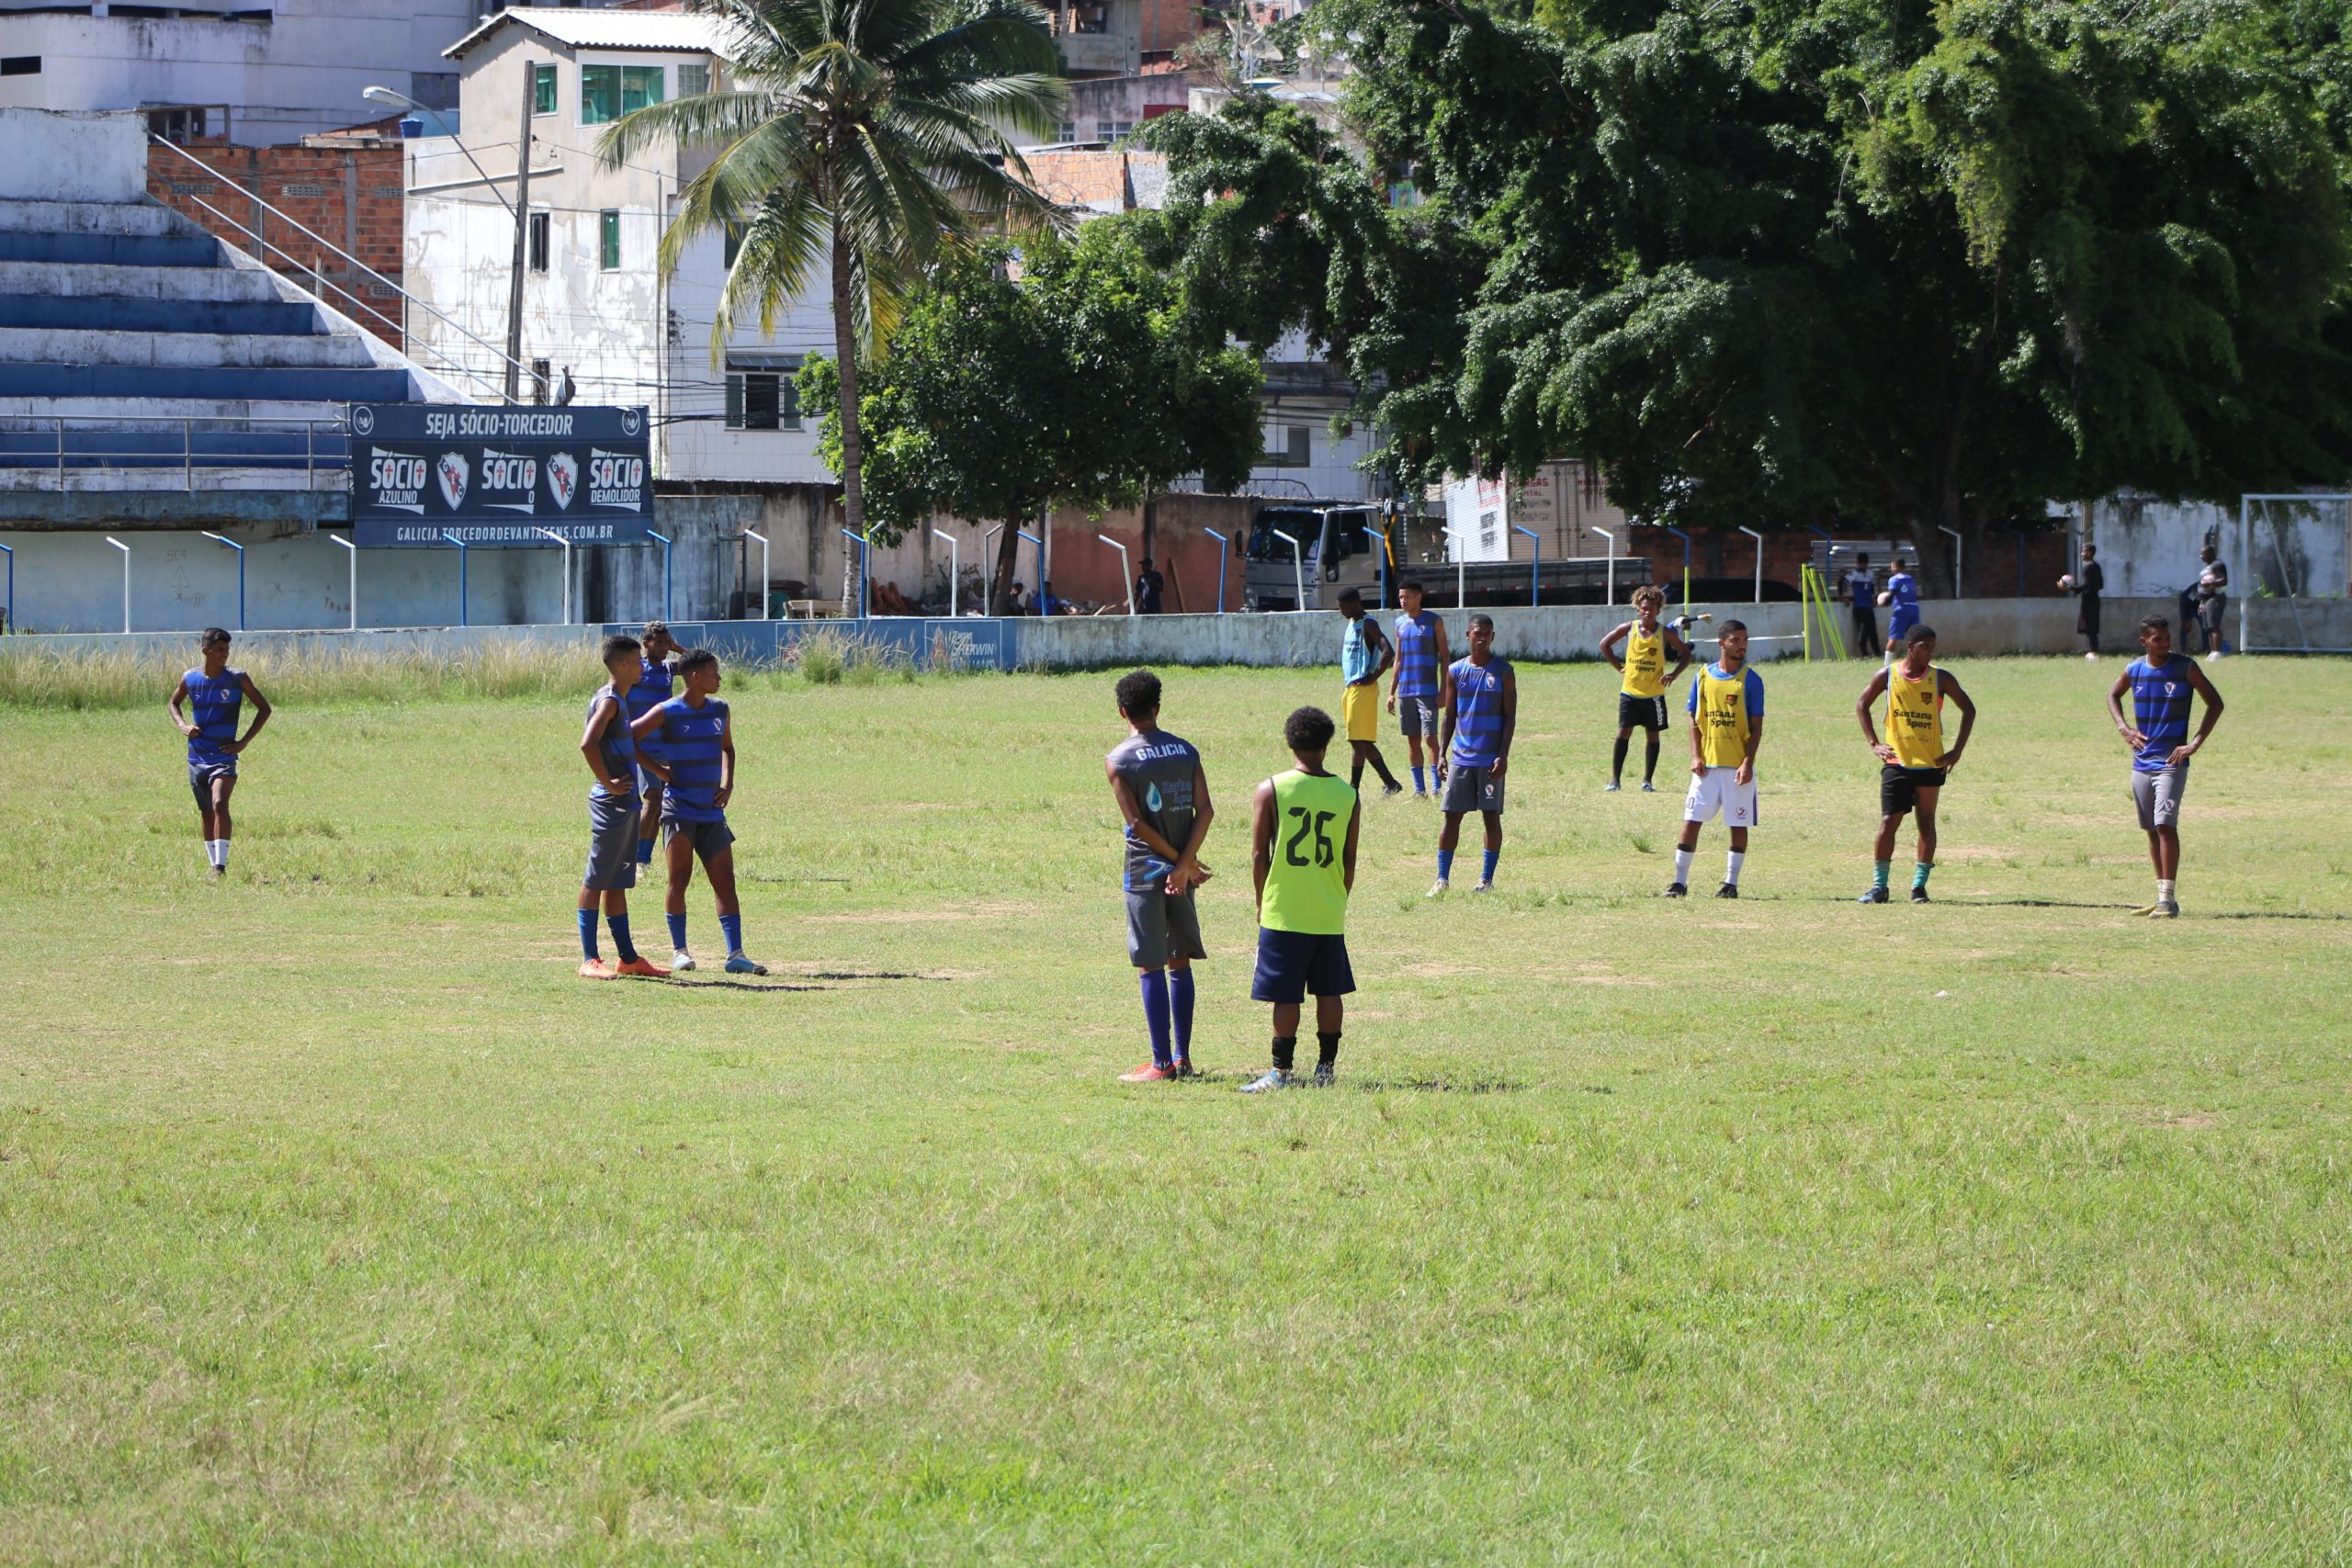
1915, 718
1306, 886
1723, 717
1644, 662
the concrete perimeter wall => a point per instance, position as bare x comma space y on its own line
1975, 628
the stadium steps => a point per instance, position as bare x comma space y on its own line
122, 320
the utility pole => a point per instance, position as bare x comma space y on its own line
521, 240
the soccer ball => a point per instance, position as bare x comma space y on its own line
1885, 597
2066, 581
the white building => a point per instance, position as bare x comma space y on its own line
260, 73
596, 303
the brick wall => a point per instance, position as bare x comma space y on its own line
1994, 573
351, 197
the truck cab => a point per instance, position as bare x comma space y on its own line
1336, 547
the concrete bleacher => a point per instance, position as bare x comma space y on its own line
138, 352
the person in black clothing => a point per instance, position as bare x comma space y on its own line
1861, 593
2086, 583
1149, 586
2212, 598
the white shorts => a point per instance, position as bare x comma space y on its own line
1719, 789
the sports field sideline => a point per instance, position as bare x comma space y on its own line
340, 1222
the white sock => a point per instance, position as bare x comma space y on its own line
216, 852
1683, 864
2163, 889
1732, 862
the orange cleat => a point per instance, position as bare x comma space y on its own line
638, 966
595, 969
1150, 1072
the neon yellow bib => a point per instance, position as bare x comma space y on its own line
1723, 717
1915, 718
1307, 887
1644, 662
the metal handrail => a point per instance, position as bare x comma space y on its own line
130, 459
264, 241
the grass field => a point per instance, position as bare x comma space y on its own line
339, 1221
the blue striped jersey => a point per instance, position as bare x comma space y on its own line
1478, 710
2160, 697
618, 749
691, 740
1416, 655
213, 705
1903, 588
652, 689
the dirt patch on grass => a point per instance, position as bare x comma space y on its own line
2193, 1121
918, 917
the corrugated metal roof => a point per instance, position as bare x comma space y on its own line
669, 32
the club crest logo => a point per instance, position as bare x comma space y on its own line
450, 473
2171, 687
563, 479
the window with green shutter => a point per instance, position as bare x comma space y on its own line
763, 395
609, 236
542, 89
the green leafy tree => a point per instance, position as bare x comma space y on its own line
860, 143
1063, 374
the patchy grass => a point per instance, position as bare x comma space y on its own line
339, 1223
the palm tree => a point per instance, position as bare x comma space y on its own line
868, 133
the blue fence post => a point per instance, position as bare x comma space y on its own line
463, 618
864, 576
1221, 543
10, 607
240, 572
665, 569
1041, 560
1535, 576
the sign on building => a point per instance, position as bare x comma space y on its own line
495, 476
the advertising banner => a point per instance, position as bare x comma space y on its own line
495, 476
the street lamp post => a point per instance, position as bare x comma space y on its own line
664, 539
1123, 569
566, 570
1298, 567
762, 538
346, 544
1222, 543
118, 544
1040, 544
240, 572
9, 608
1609, 577
1460, 567
1759, 561
1959, 559
1685, 562
464, 616
864, 544
954, 575
1535, 576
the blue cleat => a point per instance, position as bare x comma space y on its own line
1275, 1079
739, 964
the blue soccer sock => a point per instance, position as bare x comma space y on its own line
645, 851
1179, 1001
621, 944
733, 926
588, 935
1920, 869
1445, 865
1492, 856
1419, 787
1155, 1013
678, 932
1879, 869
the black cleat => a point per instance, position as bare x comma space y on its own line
1919, 896
1873, 894
1392, 787
1326, 1074
1675, 890
1728, 890
2165, 909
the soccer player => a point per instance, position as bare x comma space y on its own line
698, 747
1861, 590
2212, 601
2087, 582
1303, 856
1727, 708
1641, 696
611, 753
1480, 702
2160, 682
1364, 656
1163, 794
1915, 762
217, 694
1902, 594
654, 682
1412, 690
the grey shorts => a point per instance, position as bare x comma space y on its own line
1471, 789
1160, 928
647, 785
1417, 714
201, 777
707, 838
612, 842
2158, 795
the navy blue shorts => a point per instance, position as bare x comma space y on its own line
1291, 963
